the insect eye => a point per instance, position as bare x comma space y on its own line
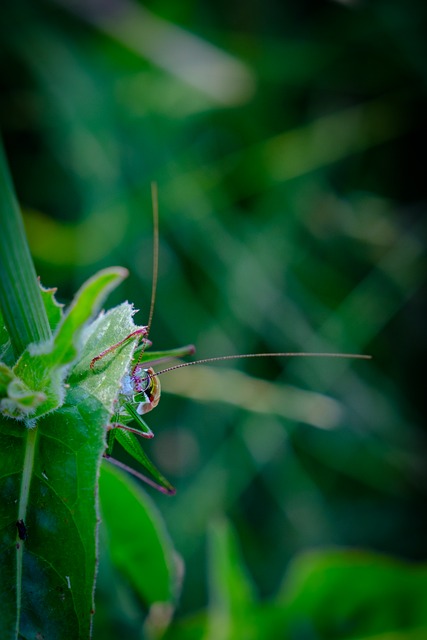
141, 379
146, 381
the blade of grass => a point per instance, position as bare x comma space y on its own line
20, 298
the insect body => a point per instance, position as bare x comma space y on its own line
139, 394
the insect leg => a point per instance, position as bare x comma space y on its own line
139, 432
170, 491
139, 333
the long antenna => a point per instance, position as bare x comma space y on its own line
155, 269
155, 204
356, 356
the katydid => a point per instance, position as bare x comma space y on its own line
140, 389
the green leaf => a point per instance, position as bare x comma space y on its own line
42, 367
20, 300
108, 329
352, 594
49, 477
48, 480
6, 377
232, 612
16, 399
6, 352
192, 627
137, 540
231, 592
54, 309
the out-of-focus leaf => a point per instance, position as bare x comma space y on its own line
138, 543
190, 628
231, 593
343, 594
340, 595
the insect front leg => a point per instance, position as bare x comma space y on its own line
139, 334
129, 442
124, 415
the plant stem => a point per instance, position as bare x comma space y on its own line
21, 303
27, 474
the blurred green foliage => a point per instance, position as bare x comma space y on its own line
288, 143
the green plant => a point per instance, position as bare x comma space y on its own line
328, 594
54, 410
70, 388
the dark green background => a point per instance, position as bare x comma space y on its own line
292, 193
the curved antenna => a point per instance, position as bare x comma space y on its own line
355, 356
155, 205
155, 268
